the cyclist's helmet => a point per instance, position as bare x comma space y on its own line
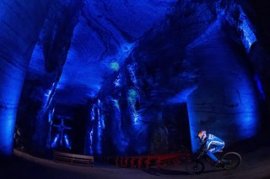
202, 135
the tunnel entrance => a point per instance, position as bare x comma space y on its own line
177, 122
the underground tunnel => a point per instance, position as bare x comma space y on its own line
107, 78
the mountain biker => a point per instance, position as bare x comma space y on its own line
211, 144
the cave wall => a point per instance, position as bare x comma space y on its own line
21, 22
126, 76
155, 71
226, 101
43, 74
207, 68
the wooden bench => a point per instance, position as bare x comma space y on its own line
74, 159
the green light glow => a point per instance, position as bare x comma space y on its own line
114, 66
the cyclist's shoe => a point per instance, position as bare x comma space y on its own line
219, 164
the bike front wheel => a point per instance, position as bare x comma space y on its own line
194, 167
231, 160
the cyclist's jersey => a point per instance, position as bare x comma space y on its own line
212, 141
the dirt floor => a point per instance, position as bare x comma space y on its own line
255, 165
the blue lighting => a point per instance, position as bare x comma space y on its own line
116, 104
48, 96
117, 81
100, 127
90, 131
61, 139
210, 30
248, 37
181, 97
225, 101
100, 46
132, 99
11, 80
111, 53
115, 62
131, 69
50, 115
92, 114
259, 86
7, 124
136, 118
132, 96
231, 113
37, 63
125, 50
87, 76
90, 138
67, 142
120, 141
55, 141
194, 127
43, 119
248, 118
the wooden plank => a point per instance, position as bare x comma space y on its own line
73, 158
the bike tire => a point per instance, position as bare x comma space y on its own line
231, 160
195, 167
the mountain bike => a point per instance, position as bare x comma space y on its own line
229, 160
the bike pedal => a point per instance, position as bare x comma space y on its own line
219, 165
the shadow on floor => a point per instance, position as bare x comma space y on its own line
157, 172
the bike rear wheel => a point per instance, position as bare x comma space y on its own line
195, 167
231, 160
